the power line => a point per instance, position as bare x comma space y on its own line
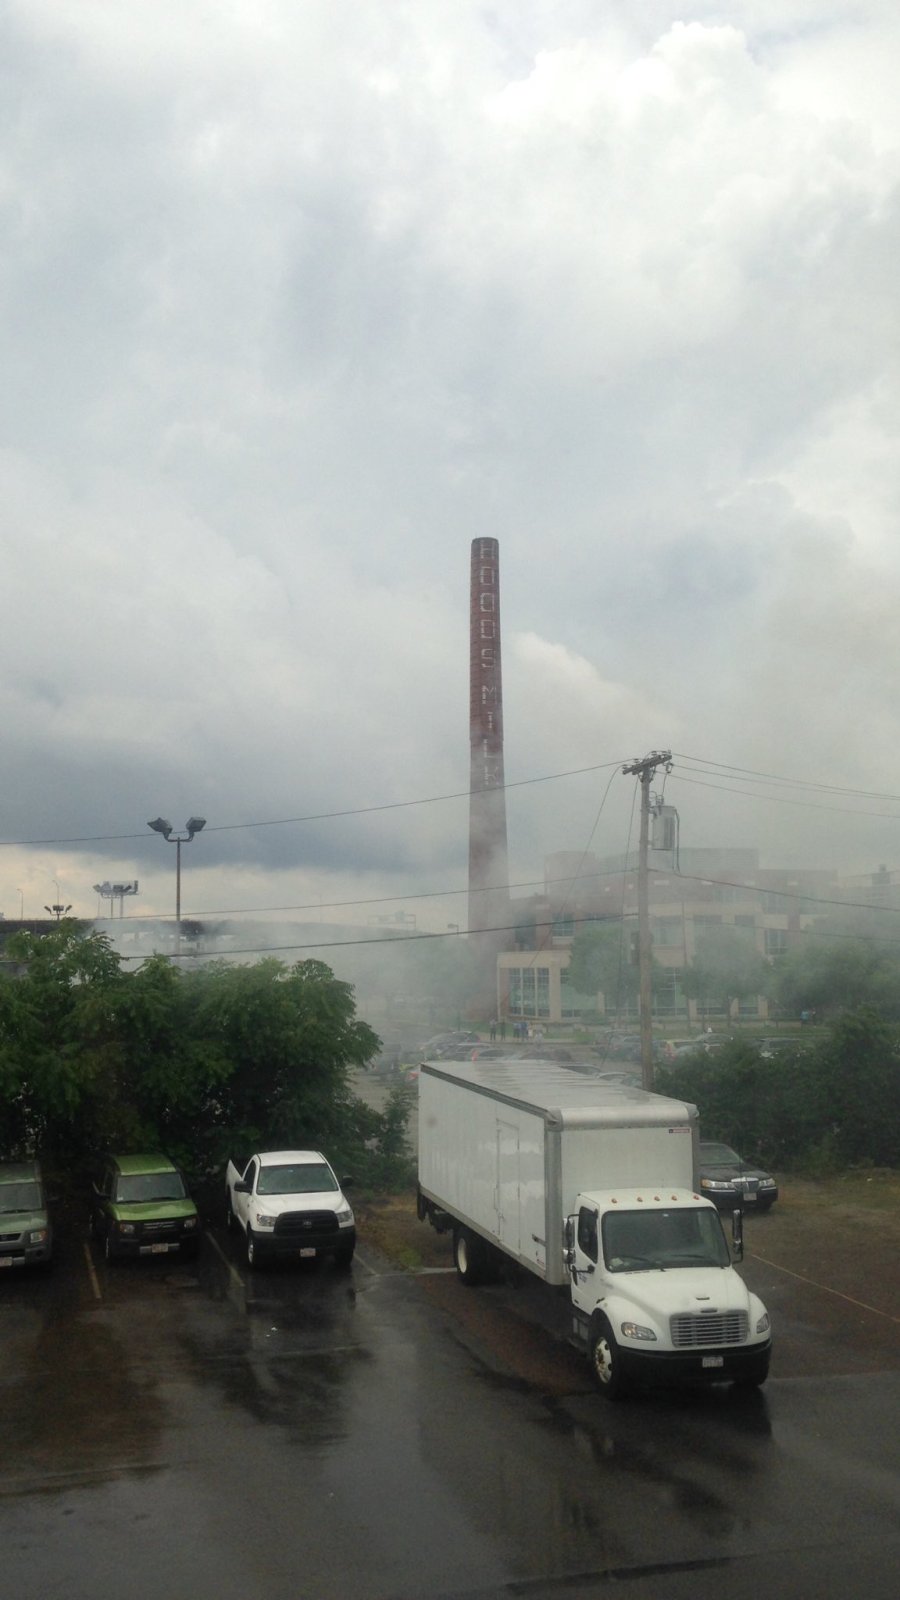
781, 800
313, 816
798, 783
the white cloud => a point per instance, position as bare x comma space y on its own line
293, 311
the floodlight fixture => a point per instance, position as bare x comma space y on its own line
163, 826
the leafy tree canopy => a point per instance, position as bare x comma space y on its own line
200, 1063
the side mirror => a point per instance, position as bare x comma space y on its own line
569, 1242
346, 1182
241, 1187
737, 1235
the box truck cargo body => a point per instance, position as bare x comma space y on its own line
592, 1187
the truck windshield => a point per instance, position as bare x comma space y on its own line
307, 1177
20, 1197
638, 1241
139, 1187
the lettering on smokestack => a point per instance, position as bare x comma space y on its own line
488, 862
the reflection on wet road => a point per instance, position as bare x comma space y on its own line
312, 1433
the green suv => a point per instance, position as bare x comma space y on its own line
140, 1207
25, 1231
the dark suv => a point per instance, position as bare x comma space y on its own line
140, 1207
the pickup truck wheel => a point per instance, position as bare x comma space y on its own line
606, 1363
252, 1250
229, 1218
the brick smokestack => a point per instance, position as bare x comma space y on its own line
488, 859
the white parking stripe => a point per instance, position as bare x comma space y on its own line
92, 1271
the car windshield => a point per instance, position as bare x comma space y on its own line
306, 1177
138, 1187
20, 1196
635, 1241
720, 1153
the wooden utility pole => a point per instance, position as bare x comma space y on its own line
646, 771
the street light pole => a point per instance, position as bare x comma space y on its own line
192, 826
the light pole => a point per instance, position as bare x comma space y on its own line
192, 826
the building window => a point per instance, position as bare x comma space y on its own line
529, 991
563, 927
775, 941
668, 997
668, 931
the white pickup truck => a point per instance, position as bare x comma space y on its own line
289, 1203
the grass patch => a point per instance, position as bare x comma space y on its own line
391, 1226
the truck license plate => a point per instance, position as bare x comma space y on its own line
713, 1361
308, 1250
6, 1261
159, 1249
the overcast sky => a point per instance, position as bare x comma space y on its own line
301, 296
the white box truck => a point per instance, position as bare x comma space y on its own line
590, 1187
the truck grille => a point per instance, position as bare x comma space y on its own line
691, 1332
303, 1222
160, 1228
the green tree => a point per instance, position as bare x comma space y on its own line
58, 1002
726, 969
840, 975
200, 1063
600, 963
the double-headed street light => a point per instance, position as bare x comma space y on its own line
192, 826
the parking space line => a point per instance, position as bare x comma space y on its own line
823, 1286
92, 1271
229, 1266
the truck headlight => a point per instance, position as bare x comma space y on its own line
189, 1222
344, 1216
38, 1236
264, 1221
634, 1330
763, 1324
125, 1227
767, 1183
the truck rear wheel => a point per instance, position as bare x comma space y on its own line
469, 1253
606, 1363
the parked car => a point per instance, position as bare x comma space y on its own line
772, 1049
140, 1206
443, 1041
26, 1234
730, 1182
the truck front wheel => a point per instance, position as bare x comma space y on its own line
606, 1362
253, 1251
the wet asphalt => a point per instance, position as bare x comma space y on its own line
195, 1432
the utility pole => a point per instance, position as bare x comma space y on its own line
645, 770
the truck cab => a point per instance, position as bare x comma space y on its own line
654, 1293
